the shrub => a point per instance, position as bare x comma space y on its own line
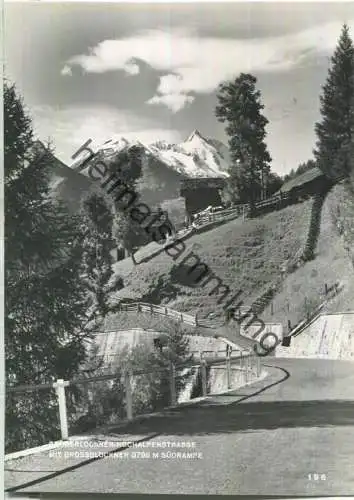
104, 402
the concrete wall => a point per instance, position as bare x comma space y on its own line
112, 343
218, 379
329, 336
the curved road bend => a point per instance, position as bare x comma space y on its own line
263, 439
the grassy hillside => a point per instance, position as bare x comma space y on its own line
305, 288
246, 255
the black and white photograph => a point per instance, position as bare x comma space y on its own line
178, 249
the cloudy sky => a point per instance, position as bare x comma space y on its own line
96, 70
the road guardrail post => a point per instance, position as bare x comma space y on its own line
128, 394
204, 377
59, 386
258, 365
173, 384
241, 363
228, 370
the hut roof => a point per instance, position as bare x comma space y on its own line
300, 180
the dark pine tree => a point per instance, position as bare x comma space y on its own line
335, 130
98, 244
273, 183
128, 166
239, 105
128, 233
45, 300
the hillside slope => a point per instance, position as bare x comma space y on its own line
305, 288
246, 255
66, 184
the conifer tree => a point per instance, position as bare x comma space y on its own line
127, 232
97, 259
239, 105
45, 300
335, 130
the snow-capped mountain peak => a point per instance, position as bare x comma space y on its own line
195, 135
195, 157
164, 165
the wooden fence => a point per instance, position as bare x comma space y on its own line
160, 311
247, 362
278, 200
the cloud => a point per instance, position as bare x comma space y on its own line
199, 64
175, 101
66, 71
131, 68
69, 128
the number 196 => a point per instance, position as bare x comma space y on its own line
317, 477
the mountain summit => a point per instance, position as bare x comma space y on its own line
164, 164
195, 157
195, 134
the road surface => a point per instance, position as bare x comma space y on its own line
289, 434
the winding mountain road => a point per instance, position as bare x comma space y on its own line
291, 433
